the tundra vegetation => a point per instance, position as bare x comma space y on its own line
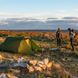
49, 63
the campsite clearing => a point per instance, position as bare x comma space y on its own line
63, 58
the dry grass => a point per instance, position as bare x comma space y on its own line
64, 61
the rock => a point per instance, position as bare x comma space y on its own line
57, 66
30, 68
54, 49
11, 76
21, 62
1, 57
40, 62
46, 61
3, 75
74, 77
63, 59
4, 65
49, 65
14, 70
43, 66
37, 68
33, 62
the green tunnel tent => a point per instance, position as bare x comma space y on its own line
20, 45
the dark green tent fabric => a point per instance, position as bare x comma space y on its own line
76, 53
20, 45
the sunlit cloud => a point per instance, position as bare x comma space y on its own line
42, 15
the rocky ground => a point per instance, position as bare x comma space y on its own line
49, 64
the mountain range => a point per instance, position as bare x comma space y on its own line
38, 24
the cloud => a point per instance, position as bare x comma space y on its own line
42, 15
76, 9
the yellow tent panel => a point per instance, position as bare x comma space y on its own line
20, 45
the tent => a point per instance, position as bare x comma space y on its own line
76, 52
20, 45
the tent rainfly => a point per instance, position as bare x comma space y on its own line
20, 45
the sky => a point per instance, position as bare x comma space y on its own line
38, 8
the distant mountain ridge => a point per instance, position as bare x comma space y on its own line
43, 24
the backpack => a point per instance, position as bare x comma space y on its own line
72, 35
58, 34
